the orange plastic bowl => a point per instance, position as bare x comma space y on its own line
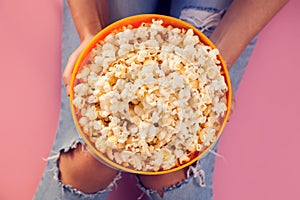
136, 21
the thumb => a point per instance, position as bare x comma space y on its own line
67, 74
68, 71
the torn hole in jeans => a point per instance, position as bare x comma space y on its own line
194, 172
68, 188
203, 19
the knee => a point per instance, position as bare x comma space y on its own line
79, 169
160, 182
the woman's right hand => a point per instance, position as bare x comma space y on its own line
89, 18
71, 62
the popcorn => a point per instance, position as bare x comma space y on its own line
151, 97
81, 89
79, 102
83, 74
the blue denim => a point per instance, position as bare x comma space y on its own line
199, 182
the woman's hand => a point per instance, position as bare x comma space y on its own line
71, 62
89, 18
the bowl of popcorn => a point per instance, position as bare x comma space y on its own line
150, 94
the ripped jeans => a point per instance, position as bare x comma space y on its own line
203, 14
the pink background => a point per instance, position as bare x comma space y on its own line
259, 145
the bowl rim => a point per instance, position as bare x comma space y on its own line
135, 21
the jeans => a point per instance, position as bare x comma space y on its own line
203, 14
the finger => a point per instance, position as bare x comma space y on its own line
232, 105
67, 77
69, 69
71, 62
67, 74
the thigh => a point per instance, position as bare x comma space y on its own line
204, 15
67, 138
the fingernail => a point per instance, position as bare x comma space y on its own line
68, 90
